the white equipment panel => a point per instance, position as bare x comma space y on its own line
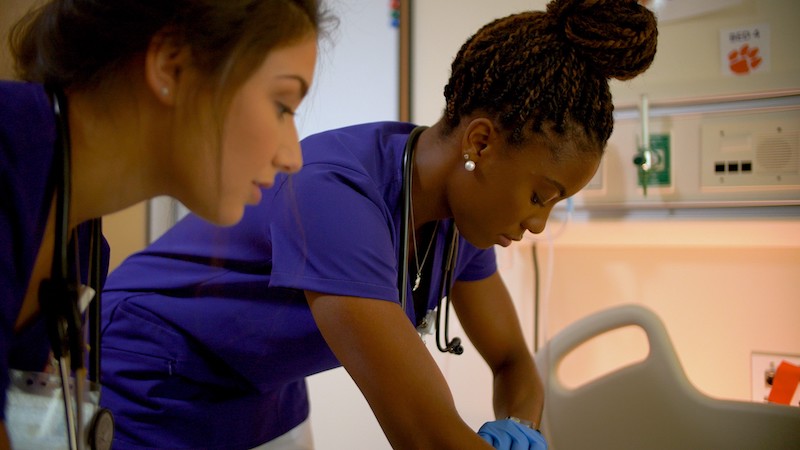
735, 154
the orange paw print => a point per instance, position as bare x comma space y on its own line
744, 60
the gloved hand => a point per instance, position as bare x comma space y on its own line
506, 434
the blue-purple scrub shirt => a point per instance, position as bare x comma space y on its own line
207, 335
27, 186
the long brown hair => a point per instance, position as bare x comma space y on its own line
76, 44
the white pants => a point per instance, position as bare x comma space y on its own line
298, 438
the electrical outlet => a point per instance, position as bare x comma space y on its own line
763, 365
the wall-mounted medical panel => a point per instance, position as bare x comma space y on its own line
751, 153
737, 154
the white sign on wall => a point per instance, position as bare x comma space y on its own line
745, 50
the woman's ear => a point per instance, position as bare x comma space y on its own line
477, 137
166, 59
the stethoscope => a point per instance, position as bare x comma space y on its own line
59, 302
451, 254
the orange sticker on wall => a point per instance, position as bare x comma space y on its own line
785, 384
745, 51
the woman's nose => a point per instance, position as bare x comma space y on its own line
537, 222
289, 158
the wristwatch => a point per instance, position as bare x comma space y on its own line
527, 423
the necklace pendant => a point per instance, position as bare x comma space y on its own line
416, 283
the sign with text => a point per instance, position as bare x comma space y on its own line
745, 50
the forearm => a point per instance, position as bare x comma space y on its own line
384, 355
415, 408
487, 313
518, 391
427, 430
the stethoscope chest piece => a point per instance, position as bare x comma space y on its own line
101, 430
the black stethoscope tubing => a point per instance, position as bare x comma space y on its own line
58, 298
451, 252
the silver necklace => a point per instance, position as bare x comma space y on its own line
418, 280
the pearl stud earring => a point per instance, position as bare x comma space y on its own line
469, 165
164, 91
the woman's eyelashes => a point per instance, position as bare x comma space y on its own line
283, 110
546, 198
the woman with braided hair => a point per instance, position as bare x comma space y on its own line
227, 323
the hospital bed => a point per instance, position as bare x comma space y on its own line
650, 404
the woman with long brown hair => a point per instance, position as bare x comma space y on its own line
122, 101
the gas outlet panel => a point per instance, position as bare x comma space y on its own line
710, 158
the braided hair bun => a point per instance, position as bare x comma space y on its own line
551, 68
618, 37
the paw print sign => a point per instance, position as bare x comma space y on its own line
745, 59
745, 51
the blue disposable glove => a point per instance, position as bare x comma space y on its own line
509, 435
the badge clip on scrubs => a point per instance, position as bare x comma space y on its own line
450, 346
59, 302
